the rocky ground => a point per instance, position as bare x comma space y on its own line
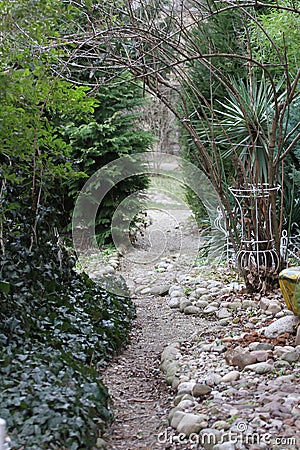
209, 366
240, 382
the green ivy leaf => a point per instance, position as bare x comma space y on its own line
4, 287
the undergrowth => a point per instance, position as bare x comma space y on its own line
57, 328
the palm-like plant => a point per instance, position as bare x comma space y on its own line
246, 125
244, 129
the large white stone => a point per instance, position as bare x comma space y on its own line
176, 418
186, 387
171, 352
201, 291
234, 375
223, 313
283, 325
230, 445
190, 423
174, 302
260, 368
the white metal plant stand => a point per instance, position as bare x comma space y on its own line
290, 248
219, 224
257, 254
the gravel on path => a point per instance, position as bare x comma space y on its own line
208, 367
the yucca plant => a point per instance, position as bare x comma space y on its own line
245, 123
242, 129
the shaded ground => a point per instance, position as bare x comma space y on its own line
141, 399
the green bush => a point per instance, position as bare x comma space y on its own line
56, 329
197, 207
292, 174
111, 133
48, 401
220, 34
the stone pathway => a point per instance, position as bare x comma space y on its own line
239, 382
208, 367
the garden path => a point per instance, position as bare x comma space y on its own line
237, 358
141, 399
166, 251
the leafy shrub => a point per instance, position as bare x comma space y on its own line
197, 207
292, 173
48, 401
111, 133
56, 328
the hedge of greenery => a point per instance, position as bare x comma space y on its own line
56, 329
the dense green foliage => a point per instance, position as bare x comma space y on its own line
57, 328
64, 132
292, 176
275, 38
111, 133
51, 403
35, 157
278, 34
236, 100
